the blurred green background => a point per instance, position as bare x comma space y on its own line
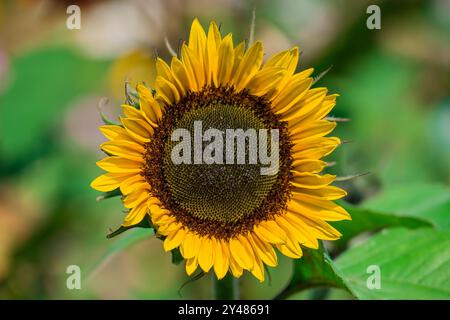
394, 86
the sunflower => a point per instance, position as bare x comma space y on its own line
227, 218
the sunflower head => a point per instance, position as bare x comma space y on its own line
224, 154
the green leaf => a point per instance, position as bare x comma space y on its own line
414, 264
145, 223
425, 201
314, 269
109, 194
364, 220
412, 206
177, 258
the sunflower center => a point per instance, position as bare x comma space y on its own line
217, 191
220, 199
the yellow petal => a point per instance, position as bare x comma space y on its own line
325, 193
323, 109
221, 258
305, 73
191, 265
151, 109
304, 235
310, 103
166, 91
168, 228
132, 112
270, 232
266, 80
180, 73
316, 227
132, 183
238, 53
197, 40
135, 198
315, 148
109, 181
162, 219
190, 245
212, 49
239, 50
136, 215
318, 128
242, 252
140, 130
153, 201
284, 249
249, 66
160, 216
225, 61
314, 142
194, 68
119, 165
124, 148
292, 94
258, 270
317, 208
287, 60
264, 250
114, 132
314, 153
225, 245
311, 180
292, 237
206, 254
235, 268
308, 165
165, 71
174, 240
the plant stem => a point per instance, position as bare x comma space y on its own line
226, 288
